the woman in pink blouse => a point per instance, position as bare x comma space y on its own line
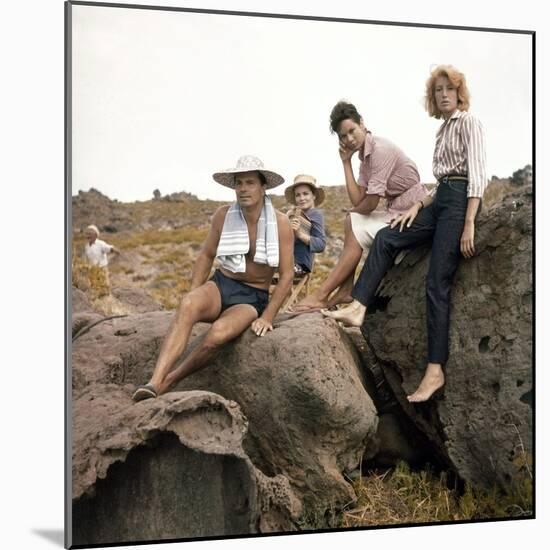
446, 218
385, 172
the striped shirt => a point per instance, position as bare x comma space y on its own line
460, 150
386, 171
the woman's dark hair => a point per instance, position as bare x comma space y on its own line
341, 111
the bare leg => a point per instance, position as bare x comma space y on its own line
343, 294
351, 316
343, 270
432, 381
232, 322
201, 304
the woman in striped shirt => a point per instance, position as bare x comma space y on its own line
446, 218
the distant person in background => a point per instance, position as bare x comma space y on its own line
306, 221
385, 172
96, 251
446, 219
250, 240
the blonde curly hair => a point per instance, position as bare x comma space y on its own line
457, 79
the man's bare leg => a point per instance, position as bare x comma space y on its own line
347, 262
351, 316
432, 381
201, 304
231, 323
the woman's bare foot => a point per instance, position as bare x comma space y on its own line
432, 381
311, 302
341, 296
351, 316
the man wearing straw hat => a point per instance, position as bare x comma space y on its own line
250, 240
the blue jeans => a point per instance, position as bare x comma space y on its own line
442, 224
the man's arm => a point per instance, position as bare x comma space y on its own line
206, 257
286, 274
367, 205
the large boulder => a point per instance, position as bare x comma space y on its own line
303, 393
483, 424
310, 419
163, 469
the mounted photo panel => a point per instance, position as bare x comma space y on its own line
300, 251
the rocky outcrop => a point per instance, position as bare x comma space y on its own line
294, 412
299, 388
79, 301
168, 468
136, 300
303, 393
484, 420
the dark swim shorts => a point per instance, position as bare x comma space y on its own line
234, 292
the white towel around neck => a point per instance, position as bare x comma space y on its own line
234, 241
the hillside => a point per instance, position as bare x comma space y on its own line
161, 238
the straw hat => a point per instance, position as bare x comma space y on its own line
248, 163
304, 179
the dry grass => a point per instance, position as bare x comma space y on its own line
401, 496
170, 297
91, 279
157, 237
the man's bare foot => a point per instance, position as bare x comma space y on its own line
341, 296
432, 381
351, 316
310, 302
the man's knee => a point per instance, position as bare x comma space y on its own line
219, 334
189, 307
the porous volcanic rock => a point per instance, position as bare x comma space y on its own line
484, 420
303, 393
138, 300
168, 468
79, 300
300, 388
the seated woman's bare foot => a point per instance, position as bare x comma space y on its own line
310, 302
341, 296
432, 381
351, 316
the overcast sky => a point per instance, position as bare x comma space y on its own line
163, 99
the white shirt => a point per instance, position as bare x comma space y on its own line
96, 253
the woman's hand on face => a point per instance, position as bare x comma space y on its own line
407, 218
467, 240
345, 152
